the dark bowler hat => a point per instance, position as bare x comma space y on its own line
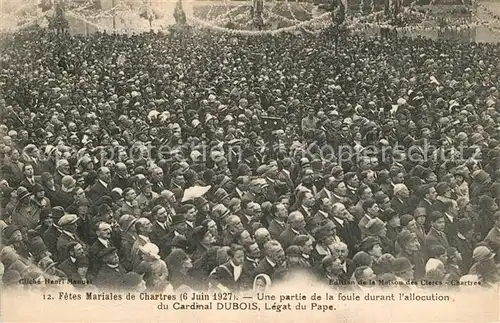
400, 265
178, 219
368, 243
105, 252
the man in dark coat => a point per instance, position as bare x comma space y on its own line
111, 274
272, 263
160, 227
120, 178
296, 226
278, 224
103, 231
69, 265
230, 276
67, 223
436, 236
101, 187
464, 243
51, 235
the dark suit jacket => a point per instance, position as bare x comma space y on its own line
50, 237
350, 266
158, 187
265, 267
95, 262
224, 275
451, 228
466, 248
121, 182
158, 233
493, 240
401, 207
350, 234
62, 244
433, 239
28, 185
57, 179
110, 278
275, 229
70, 269
98, 190
286, 238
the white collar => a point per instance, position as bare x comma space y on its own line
452, 219
104, 242
294, 231
272, 263
103, 183
339, 220
73, 260
232, 264
461, 236
163, 225
323, 213
72, 235
189, 223
305, 256
144, 237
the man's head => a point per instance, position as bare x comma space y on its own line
143, 227
103, 230
372, 246
332, 264
408, 241
296, 221
28, 170
365, 193
109, 256
121, 169
429, 192
341, 250
339, 210
274, 251
104, 174
253, 251
280, 211
234, 224
237, 254
308, 199
371, 208
254, 210
262, 236
364, 275
129, 194
243, 238
157, 174
401, 191
63, 166
159, 213
437, 221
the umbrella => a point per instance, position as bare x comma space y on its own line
194, 192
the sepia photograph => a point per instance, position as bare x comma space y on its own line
234, 160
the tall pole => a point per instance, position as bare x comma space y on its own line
114, 15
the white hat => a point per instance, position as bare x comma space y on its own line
195, 123
151, 250
153, 114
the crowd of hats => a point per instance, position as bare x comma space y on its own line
101, 109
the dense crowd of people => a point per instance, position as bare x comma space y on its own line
376, 160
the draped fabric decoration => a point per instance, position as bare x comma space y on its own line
287, 18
